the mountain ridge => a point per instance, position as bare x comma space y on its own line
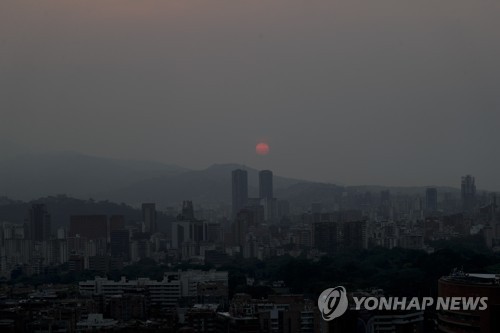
28, 176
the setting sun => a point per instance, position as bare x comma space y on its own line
262, 148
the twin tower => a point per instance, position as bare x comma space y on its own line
240, 189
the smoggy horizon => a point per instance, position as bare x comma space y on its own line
352, 92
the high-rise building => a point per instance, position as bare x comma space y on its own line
149, 217
431, 200
239, 190
283, 208
266, 195
266, 184
333, 234
190, 231
326, 237
187, 212
140, 248
385, 208
258, 209
187, 229
120, 244
89, 226
39, 223
116, 222
215, 232
385, 198
243, 221
57, 251
354, 235
468, 193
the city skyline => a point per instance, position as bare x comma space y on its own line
225, 166
15, 158
201, 268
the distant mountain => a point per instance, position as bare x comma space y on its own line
211, 185
28, 176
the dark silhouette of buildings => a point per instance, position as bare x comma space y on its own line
243, 221
188, 232
149, 217
334, 233
120, 244
326, 237
89, 226
266, 184
385, 204
266, 194
239, 190
385, 198
116, 222
39, 223
431, 200
187, 213
468, 193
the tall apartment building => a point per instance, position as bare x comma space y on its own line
149, 217
239, 187
39, 223
468, 190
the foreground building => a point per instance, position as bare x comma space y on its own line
182, 286
460, 284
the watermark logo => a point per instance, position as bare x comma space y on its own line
333, 303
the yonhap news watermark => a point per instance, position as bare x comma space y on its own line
333, 303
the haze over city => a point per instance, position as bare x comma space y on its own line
355, 92
249, 166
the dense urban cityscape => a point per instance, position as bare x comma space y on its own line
245, 267
232, 166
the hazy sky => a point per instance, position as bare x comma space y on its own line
388, 92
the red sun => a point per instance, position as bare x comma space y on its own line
262, 148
